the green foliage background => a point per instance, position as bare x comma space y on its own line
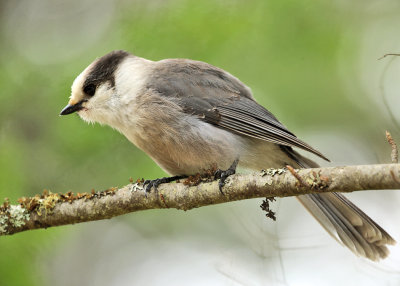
295, 55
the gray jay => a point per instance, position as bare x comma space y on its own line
189, 116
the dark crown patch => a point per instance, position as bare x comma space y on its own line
104, 69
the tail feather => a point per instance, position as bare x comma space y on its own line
325, 218
344, 221
359, 240
381, 237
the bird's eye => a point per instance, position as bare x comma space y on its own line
90, 89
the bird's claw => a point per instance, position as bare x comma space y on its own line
223, 175
148, 184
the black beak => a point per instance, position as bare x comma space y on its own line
72, 108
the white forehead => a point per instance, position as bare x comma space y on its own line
100, 71
77, 86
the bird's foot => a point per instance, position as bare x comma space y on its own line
223, 175
148, 184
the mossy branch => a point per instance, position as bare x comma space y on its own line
51, 209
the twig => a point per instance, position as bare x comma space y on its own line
294, 173
50, 209
385, 55
395, 152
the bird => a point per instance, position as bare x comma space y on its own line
189, 116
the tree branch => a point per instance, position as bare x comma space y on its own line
51, 209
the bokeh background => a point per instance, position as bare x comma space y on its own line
314, 64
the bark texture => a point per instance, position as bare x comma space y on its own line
60, 209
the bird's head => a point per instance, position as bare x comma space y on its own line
97, 93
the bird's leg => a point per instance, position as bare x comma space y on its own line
155, 183
222, 175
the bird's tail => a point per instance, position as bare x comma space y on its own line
344, 221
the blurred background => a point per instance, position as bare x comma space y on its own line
314, 64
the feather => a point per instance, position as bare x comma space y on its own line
220, 99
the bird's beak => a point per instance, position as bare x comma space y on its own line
71, 108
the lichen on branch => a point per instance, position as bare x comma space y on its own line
51, 209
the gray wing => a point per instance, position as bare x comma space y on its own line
220, 99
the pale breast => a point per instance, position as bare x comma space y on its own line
188, 145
